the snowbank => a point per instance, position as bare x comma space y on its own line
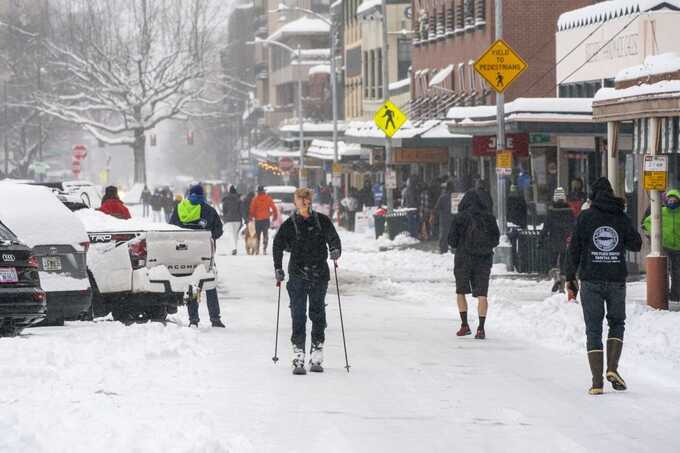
134, 195
95, 221
51, 282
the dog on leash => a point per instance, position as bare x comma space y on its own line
250, 238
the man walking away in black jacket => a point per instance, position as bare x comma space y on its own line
555, 235
195, 213
232, 215
443, 210
308, 236
597, 252
473, 234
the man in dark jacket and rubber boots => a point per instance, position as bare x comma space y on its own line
308, 236
195, 214
473, 234
602, 235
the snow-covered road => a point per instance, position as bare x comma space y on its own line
414, 386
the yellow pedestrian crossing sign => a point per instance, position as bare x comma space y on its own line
389, 118
500, 65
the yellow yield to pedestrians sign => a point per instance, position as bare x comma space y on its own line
500, 65
389, 118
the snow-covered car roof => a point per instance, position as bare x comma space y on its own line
98, 222
280, 189
38, 217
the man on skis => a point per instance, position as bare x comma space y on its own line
597, 252
194, 213
308, 236
473, 234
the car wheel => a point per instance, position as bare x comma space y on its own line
123, 315
99, 306
8, 328
158, 313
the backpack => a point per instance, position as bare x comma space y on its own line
481, 234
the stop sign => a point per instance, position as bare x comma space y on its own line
286, 163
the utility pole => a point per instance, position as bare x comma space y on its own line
302, 177
500, 138
386, 97
6, 131
334, 96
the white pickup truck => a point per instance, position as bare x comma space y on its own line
142, 270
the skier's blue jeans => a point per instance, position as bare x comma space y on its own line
595, 296
298, 291
213, 307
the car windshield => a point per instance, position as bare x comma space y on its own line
285, 197
6, 234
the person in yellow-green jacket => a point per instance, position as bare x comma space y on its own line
195, 214
670, 227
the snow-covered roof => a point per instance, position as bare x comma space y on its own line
320, 69
248, 5
662, 88
312, 127
368, 129
441, 75
604, 11
272, 149
525, 105
653, 65
302, 26
400, 84
441, 131
323, 149
368, 5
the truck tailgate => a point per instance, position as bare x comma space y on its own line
180, 251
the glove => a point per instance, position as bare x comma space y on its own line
280, 275
572, 289
335, 254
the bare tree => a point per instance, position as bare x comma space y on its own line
124, 66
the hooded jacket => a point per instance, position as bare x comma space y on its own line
262, 207
670, 224
472, 212
602, 235
558, 227
197, 216
232, 207
115, 207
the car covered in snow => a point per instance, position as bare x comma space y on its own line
88, 193
141, 270
59, 242
283, 197
22, 301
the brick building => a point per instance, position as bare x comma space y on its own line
452, 34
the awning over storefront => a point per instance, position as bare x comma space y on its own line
271, 150
367, 133
323, 150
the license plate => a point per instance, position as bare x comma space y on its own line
51, 263
8, 275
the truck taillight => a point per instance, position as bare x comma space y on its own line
39, 296
138, 253
33, 261
85, 245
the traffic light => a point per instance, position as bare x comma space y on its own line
152, 139
190, 137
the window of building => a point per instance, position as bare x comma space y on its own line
366, 71
450, 16
379, 75
403, 58
461, 77
432, 24
353, 63
469, 11
480, 13
441, 22
472, 77
460, 16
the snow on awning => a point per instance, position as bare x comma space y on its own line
604, 11
441, 75
525, 106
654, 65
662, 88
302, 26
320, 69
441, 131
312, 127
323, 150
368, 5
368, 129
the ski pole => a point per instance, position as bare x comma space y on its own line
278, 311
342, 324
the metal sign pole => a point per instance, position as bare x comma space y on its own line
500, 139
386, 96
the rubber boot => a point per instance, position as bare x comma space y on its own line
614, 348
596, 361
299, 360
316, 360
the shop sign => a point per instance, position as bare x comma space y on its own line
390, 179
420, 155
485, 145
656, 173
377, 155
539, 139
456, 198
337, 169
500, 65
504, 163
389, 118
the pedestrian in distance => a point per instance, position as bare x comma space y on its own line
311, 238
670, 228
195, 213
517, 208
351, 205
157, 205
113, 205
555, 236
146, 201
473, 235
232, 215
577, 196
263, 211
597, 255
444, 214
168, 203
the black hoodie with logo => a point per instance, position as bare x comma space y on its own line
602, 235
474, 230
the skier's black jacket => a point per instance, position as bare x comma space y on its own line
232, 209
474, 230
601, 237
308, 241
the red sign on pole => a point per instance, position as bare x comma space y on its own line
485, 146
79, 152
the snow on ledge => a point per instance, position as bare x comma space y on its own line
320, 69
302, 26
653, 65
368, 5
604, 11
525, 105
400, 84
664, 87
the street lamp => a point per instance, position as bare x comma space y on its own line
334, 79
297, 55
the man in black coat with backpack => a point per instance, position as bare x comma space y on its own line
473, 234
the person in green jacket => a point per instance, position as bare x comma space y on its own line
670, 230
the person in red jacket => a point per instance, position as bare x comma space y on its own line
112, 205
262, 209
